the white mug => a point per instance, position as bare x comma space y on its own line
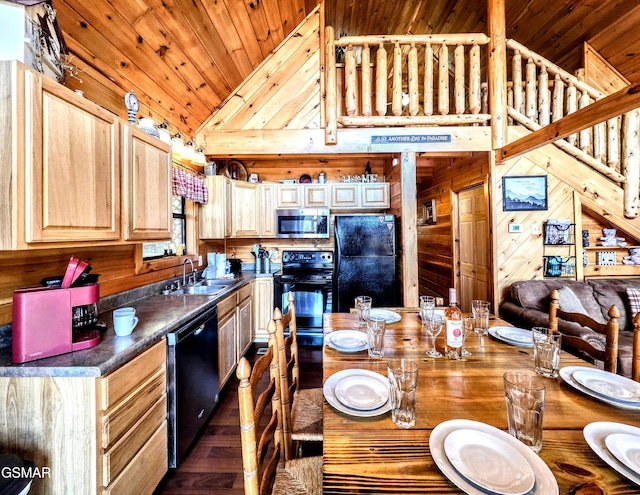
124, 321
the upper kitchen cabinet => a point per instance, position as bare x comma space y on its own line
60, 179
214, 218
245, 221
370, 195
146, 213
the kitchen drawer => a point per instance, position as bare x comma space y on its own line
245, 292
227, 305
125, 379
122, 453
118, 421
147, 468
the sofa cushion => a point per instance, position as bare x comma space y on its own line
569, 302
609, 292
534, 294
634, 300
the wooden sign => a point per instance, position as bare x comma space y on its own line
411, 138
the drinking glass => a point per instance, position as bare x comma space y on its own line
433, 327
546, 351
363, 306
427, 305
376, 326
481, 311
468, 325
403, 382
524, 395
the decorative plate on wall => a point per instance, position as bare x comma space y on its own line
235, 170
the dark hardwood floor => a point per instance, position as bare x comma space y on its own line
214, 463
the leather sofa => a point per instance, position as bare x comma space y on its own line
526, 305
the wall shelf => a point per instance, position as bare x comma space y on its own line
559, 253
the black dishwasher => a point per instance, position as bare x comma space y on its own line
192, 381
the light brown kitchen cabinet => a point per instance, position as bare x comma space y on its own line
105, 435
245, 319
60, 179
316, 196
214, 218
289, 196
264, 304
146, 212
227, 341
266, 211
245, 221
371, 195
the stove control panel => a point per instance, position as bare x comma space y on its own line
307, 257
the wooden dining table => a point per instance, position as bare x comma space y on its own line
373, 455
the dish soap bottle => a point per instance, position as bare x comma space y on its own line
453, 326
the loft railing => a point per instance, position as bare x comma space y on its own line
404, 81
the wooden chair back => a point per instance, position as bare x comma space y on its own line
289, 367
259, 471
635, 363
610, 330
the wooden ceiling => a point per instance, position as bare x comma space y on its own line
184, 57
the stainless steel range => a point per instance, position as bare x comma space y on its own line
308, 275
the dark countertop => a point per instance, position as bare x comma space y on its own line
158, 315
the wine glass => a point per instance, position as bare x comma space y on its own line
433, 326
468, 324
427, 305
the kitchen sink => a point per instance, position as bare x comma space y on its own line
199, 290
225, 282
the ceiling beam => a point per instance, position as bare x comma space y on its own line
618, 103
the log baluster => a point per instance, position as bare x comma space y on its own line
530, 92
599, 140
516, 74
510, 103
613, 143
331, 112
412, 69
396, 100
572, 106
474, 79
543, 97
381, 80
365, 72
630, 163
350, 81
585, 134
458, 79
485, 99
443, 80
428, 80
558, 99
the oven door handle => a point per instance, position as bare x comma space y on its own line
304, 282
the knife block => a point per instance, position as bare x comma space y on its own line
42, 321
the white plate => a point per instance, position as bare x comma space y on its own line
516, 335
329, 392
348, 340
566, 374
361, 392
610, 385
390, 316
626, 448
545, 483
596, 434
493, 331
489, 462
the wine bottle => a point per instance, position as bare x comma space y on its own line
453, 327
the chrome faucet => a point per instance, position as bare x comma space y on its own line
184, 271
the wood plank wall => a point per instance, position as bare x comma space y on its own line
435, 242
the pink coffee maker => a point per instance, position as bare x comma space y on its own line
56, 319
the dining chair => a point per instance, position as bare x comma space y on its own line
302, 408
610, 329
266, 468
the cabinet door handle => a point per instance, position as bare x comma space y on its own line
199, 330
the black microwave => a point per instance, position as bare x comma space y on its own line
307, 223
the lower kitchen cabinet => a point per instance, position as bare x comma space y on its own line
245, 319
263, 307
104, 435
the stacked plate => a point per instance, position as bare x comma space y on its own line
347, 340
389, 316
512, 335
480, 459
618, 445
357, 392
615, 390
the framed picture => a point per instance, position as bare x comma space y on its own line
429, 212
521, 193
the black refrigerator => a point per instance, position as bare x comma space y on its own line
365, 261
